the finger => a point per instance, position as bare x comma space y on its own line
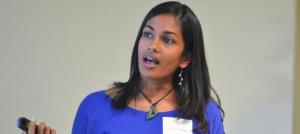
31, 129
41, 128
47, 130
53, 131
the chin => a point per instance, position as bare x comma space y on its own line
149, 76
153, 76
145, 75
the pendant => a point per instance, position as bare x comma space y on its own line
152, 112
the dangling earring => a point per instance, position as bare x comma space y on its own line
180, 78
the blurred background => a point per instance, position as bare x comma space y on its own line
55, 52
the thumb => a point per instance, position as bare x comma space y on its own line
32, 126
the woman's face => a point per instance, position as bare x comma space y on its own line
160, 48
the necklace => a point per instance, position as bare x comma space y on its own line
153, 110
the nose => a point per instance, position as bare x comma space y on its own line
154, 45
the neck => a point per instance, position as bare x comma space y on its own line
155, 89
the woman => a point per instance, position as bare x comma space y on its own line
169, 80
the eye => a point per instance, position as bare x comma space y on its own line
147, 34
168, 40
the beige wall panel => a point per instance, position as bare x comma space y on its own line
55, 52
297, 76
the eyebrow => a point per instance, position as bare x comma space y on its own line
165, 32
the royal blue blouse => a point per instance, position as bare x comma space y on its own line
96, 115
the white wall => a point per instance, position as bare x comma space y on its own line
55, 52
296, 118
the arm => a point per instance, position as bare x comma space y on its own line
81, 120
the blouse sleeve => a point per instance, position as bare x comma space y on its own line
215, 119
81, 119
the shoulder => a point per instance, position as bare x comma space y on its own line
95, 99
94, 107
214, 116
212, 110
95, 95
212, 107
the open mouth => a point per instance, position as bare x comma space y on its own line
151, 60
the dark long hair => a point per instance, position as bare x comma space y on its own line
194, 93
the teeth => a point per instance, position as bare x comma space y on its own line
147, 59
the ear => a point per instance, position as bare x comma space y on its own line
185, 61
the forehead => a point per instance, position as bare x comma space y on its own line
165, 22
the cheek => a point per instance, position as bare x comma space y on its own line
140, 49
172, 60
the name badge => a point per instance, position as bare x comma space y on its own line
173, 125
